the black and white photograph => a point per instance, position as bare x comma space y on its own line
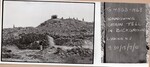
48, 32
125, 32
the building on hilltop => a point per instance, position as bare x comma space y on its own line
54, 17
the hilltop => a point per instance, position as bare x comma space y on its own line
66, 27
60, 27
62, 30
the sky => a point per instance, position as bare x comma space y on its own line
25, 13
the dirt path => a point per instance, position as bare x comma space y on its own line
87, 44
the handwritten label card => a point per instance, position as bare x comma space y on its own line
125, 33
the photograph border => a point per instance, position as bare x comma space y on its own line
49, 2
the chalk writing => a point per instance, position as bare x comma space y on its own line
121, 9
119, 30
119, 24
115, 24
118, 38
125, 32
134, 24
123, 47
120, 18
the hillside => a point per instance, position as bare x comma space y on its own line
67, 32
66, 27
72, 42
61, 27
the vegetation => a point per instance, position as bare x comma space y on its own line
65, 32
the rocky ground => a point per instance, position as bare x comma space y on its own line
49, 55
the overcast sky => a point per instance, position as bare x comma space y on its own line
23, 14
